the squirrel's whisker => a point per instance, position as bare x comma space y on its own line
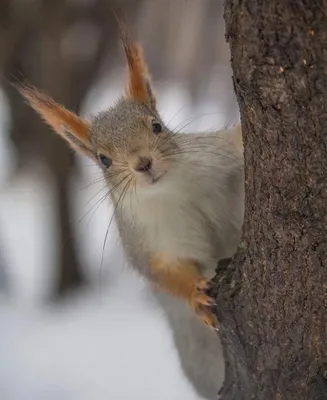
98, 180
175, 115
121, 197
99, 202
222, 154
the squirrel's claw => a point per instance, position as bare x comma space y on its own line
208, 318
201, 301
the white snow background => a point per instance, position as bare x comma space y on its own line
109, 342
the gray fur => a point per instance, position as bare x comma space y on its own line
195, 210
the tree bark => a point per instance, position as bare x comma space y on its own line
273, 295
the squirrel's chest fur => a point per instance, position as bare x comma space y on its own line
174, 224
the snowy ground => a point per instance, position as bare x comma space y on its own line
108, 343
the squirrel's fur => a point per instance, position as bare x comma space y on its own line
178, 205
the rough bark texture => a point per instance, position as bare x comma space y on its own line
273, 296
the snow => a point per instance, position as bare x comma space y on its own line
117, 349
108, 342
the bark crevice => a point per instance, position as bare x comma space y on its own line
273, 296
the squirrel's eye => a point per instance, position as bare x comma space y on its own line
156, 126
105, 161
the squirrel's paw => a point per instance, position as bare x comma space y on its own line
201, 303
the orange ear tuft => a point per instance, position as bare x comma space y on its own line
67, 124
139, 83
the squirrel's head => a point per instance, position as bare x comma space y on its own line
129, 141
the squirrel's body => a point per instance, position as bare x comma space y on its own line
199, 348
197, 214
178, 204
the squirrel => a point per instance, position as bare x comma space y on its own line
178, 204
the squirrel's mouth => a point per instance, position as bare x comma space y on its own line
150, 177
148, 180
151, 180
156, 179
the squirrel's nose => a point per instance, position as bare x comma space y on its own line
143, 164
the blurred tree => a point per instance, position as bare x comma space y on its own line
59, 46
4, 280
273, 296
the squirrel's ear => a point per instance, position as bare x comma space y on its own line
138, 85
64, 122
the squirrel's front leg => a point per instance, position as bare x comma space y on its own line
182, 279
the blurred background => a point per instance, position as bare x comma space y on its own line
75, 323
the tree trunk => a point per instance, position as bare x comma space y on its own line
273, 295
70, 275
41, 31
5, 288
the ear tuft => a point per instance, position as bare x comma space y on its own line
67, 124
139, 82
